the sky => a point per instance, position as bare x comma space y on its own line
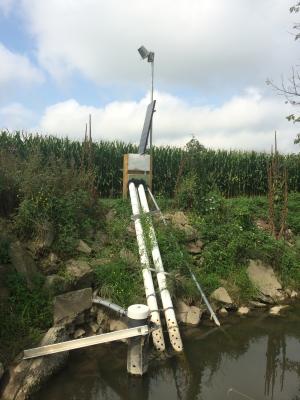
63, 60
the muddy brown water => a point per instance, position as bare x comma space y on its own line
252, 358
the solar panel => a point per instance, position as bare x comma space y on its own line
146, 127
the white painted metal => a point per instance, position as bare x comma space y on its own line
111, 306
212, 313
172, 325
87, 341
157, 335
138, 311
138, 162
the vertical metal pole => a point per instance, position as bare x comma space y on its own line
152, 88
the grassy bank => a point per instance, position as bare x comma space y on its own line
49, 202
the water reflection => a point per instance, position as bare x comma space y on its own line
255, 359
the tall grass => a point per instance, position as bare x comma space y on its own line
232, 172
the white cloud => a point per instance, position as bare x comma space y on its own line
244, 122
204, 44
6, 6
17, 69
15, 117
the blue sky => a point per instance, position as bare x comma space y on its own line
60, 61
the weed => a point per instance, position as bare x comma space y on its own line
24, 315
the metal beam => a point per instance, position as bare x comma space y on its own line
85, 342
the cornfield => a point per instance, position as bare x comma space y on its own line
234, 173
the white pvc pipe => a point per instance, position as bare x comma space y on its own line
157, 334
170, 317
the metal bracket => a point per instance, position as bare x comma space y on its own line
85, 342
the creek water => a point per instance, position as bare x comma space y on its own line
256, 358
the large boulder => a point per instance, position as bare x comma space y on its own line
186, 314
27, 376
221, 295
69, 305
80, 273
23, 262
264, 279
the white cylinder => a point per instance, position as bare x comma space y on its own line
166, 300
157, 334
138, 311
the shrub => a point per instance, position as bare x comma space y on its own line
60, 197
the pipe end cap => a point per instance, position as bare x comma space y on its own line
138, 311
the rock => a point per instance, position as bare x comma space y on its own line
51, 264
45, 235
23, 263
101, 239
128, 256
27, 376
80, 273
117, 325
223, 312
263, 225
110, 216
1, 370
189, 315
78, 333
195, 247
276, 310
80, 319
288, 235
180, 221
263, 278
94, 327
82, 247
102, 318
100, 261
294, 294
179, 218
221, 295
68, 305
189, 232
242, 311
56, 284
257, 304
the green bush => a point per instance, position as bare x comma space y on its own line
23, 316
60, 197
